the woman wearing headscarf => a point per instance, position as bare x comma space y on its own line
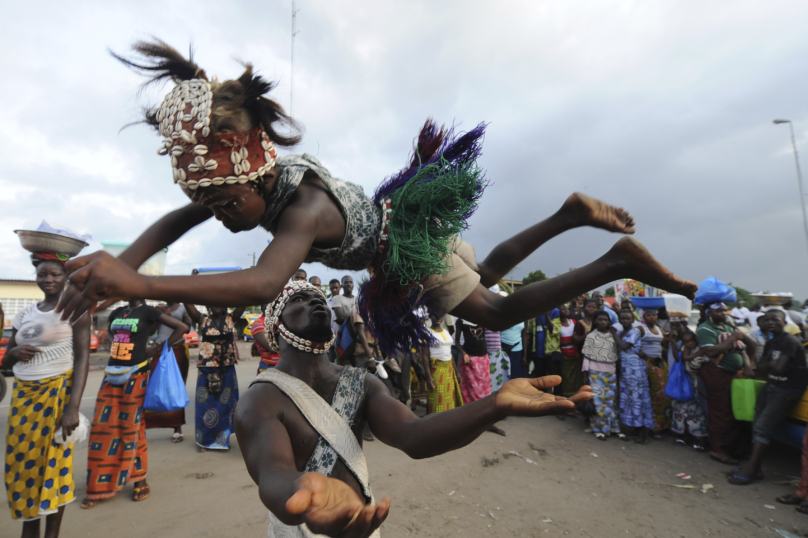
50, 359
600, 355
635, 399
216, 382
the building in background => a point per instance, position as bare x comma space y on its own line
15, 295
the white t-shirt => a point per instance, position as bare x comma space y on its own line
346, 303
443, 352
740, 314
46, 331
753, 319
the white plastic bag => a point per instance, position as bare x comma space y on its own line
79, 435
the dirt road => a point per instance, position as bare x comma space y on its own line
574, 486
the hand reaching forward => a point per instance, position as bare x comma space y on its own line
526, 397
97, 277
329, 506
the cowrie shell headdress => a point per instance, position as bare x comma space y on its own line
199, 159
273, 321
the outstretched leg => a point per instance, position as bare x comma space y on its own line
578, 210
628, 258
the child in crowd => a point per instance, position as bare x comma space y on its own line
689, 417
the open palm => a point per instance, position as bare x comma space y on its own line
331, 507
527, 397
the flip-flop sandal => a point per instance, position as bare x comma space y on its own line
141, 494
758, 476
698, 448
88, 503
803, 508
622, 436
600, 437
177, 438
790, 499
679, 442
726, 460
737, 480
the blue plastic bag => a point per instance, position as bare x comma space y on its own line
679, 386
166, 390
713, 290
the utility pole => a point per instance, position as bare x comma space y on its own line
253, 257
292, 62
799, 173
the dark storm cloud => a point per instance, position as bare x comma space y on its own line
663, 110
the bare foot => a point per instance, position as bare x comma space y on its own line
586, 211
88, 503
636, 262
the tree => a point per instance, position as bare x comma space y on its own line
609, 292
743, 295
534, 276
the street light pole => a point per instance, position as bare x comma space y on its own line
799, 174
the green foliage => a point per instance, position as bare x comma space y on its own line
534, 276
609, 292
743, 295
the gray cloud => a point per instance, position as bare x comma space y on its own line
665, 110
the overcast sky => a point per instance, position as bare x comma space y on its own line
663, 108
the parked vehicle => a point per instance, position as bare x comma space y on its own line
191, 339
3, 371
251, 318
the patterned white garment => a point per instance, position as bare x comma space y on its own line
45, 331
333, 423
363, 222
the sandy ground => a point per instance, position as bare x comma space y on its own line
577, 487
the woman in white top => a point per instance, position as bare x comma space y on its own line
441, 377
50, 359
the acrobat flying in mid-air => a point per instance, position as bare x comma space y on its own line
221, 139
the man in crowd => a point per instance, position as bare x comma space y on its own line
333, 287
310, 414
342, 304
300, 274
597, 295
316, 281
723, 346
783, 366
740, 314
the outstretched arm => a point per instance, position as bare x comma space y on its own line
69, 420
326, 505
100, 277
438, 433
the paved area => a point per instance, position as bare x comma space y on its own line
573, 486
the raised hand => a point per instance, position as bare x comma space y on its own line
331, 507
98, 277
526, 397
